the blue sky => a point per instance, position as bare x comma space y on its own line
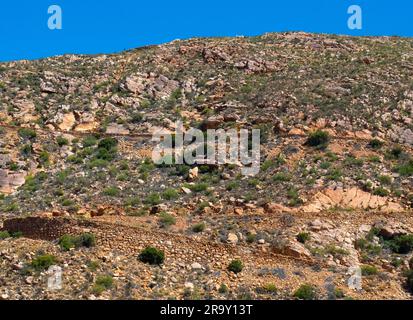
109, 26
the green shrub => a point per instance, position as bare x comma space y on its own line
381, 192
367, 270
303, 237
409, 280
105, 154
152, 256
395, 152
136, 118
133, 202
339, 294
401, 244
334, 174
376, 144
236, 266
102, 283
17, 234
223, 288
166, 219
44, 157
27, 133
111, 192
4, 235
396, 262
86, 239
405, 169
281, 177
26, 150
43, 262
369, 248
232, 185
251, 237
68, 242
67, 202
199, 227
385, 179
270, 287
13, 166
153, 199
199, 187
98, 163
306, 292
89, 141
62, 141
170, 194
318, 138
107, 144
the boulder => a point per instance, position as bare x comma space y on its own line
232, 238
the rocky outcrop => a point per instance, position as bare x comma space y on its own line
11, 181
352, 198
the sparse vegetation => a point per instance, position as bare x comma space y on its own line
367, 270
4, 235
318, 138
166, 219
303, 237
199, 227
236, 266
376, 144
306, 292
68, 242
43, 262
102, 283
401, 244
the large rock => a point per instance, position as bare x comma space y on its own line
213, 122
65, 121
407, 136
352, 198
232, 238
135, 84
117, 129
10, 182
293, 249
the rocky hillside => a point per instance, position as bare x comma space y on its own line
335, 188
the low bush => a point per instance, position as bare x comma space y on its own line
152, 256
62, 141
68, 242
4, 235
43, 262
401, 244
199, 227
405, 169
270, 288
27, 133
303, 237
409, 280
170, 194
318, 138
368, 270
236, 266
102, 283
111, 192
166, 219
376, 144
306, 292
153, 199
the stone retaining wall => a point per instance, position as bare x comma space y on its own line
45, 228
125, 239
